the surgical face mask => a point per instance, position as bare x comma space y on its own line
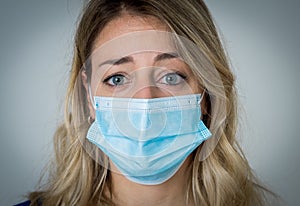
148, 139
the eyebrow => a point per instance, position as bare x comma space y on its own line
122, 60
128, 59
165, 56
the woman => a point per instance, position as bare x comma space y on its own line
148, 52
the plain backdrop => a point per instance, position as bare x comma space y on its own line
262, 41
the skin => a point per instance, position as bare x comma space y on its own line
140, 80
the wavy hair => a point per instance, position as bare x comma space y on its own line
222, 177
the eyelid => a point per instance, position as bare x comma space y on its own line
107, 79
114, 74
168, 72
181, 76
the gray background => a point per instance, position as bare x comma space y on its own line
261, 38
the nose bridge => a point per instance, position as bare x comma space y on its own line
145, 86
147, 92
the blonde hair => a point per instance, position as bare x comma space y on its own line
223, 177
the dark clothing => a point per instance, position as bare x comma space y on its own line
26, 203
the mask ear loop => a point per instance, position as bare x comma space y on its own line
90, 119
91, 96
202, 95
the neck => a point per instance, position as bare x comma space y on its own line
172, 192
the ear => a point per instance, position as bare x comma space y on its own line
87, 92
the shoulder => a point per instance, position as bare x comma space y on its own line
26, 203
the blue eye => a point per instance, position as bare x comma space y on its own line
115, 80
172, 79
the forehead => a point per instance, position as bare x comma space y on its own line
128, 35
125, 24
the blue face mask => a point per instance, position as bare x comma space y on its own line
148, 139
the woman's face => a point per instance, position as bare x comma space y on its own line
144, 64
141, 73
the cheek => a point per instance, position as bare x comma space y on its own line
98, 88
102, 91
195, 85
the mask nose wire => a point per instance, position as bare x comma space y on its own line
94, 106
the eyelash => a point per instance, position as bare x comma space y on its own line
178, 73
178, 78
107, 79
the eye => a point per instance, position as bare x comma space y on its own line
172, 79
116, 80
